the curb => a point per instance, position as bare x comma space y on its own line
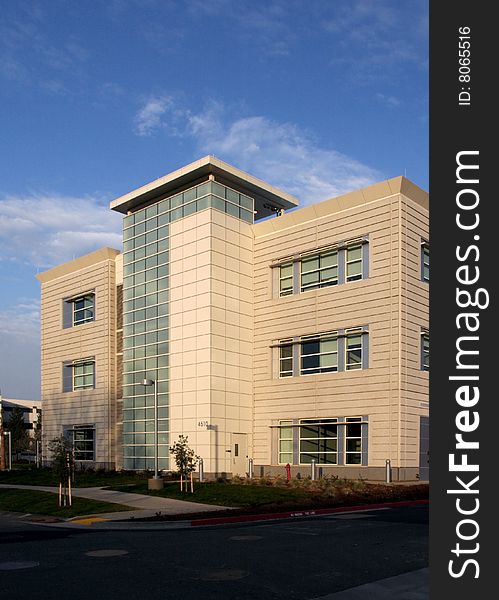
95, 523
305, 513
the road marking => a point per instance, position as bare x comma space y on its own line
246, 537
224, 575
349, 517
106, 553
361, 513
88, 520
297, 531
16, 565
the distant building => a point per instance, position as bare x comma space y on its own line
284, 336
30, 409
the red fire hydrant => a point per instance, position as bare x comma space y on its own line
288, 471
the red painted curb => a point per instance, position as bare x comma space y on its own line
304, 513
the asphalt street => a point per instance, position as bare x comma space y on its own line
304, 559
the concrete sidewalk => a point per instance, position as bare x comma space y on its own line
414, 585
145, 506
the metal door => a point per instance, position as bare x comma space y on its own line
239, 454
424, 449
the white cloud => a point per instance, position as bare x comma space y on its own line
372, 36
391, 101
284, 155
20, 349
149, 117
281, 153
22, 320
46, 230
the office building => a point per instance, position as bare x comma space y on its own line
274, 333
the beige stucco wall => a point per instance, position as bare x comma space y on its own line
414, 314
393, 302
211, 314
94, 272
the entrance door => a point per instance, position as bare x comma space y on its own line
239, 454
424, 448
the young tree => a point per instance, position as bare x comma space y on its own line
62, 465
185, 459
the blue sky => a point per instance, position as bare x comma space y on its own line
97, 98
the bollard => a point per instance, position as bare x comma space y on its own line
250, 468
201, 470
312, 467
388, 471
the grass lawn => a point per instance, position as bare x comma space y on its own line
44, 476
46, 503
223, 494
265, 495
253, 498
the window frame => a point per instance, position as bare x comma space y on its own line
84, 309
425, 351
347, 452
288, 291
70, 380
292, 350
425, 261
285, 345
73, 316
317, 423
284, 425
359, 276
321, 338
341, 252
354, 366
73, 430
320, 270
290, 449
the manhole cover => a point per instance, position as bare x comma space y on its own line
225, 575
106, 553
14, 566
248, 538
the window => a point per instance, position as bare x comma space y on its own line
78, 311
319, 441
285, 442
83, 376
342, 350
353, 354
354, 262
425, 261
83, 309
83, 439
286, 279
319, 354
78, 375
341, 264
286, 358
353, 441
319, 271
425, 351
328, 441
